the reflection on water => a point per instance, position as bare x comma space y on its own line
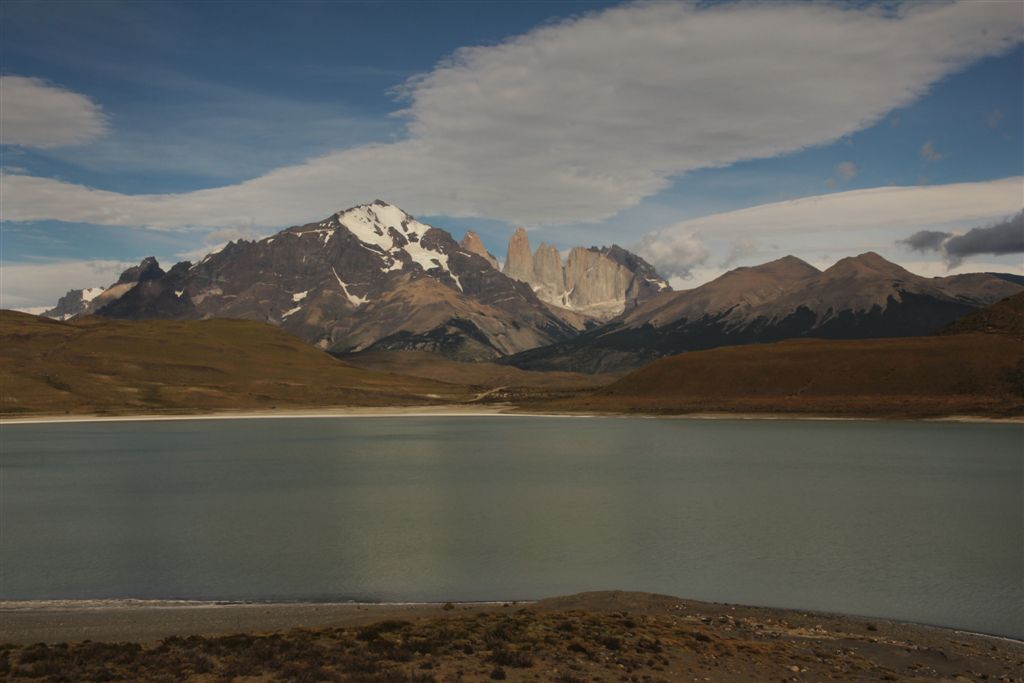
906, 520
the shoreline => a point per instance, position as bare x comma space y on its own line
485, 410
149, 620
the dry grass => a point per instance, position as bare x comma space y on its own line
667, 641
120, 367
482, 374
969, 374
105, 366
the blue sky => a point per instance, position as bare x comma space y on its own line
555, 120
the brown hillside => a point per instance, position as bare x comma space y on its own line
1005, 317
977, 374
104, 366
479, 374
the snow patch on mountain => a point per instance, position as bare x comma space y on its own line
352, 298
372, 224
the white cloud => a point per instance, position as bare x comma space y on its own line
36, 114
576, 121
842, 223
675, 253
33, 285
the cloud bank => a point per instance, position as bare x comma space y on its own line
842, 220
576, 121
30, 285
998, 239
36, 114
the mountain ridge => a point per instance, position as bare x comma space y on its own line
859, 297
345, 283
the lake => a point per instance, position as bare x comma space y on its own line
914, 521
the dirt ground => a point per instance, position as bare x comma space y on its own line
607, 636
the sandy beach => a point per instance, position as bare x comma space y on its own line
453, 410
463, 410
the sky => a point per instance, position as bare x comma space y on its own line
703, 135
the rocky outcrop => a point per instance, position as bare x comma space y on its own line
548, 274
149, 269
86, 301
368, 277
472, 242
598, 283
519, 257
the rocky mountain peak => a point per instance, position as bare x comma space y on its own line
790, 265
471, 242
148, 269
868, 264
598, 282
78, 302
519, 257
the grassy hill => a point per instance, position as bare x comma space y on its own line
976, 367
1005, 317
104, 366
969, 374
480, 374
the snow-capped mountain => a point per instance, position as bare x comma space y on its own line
368, 277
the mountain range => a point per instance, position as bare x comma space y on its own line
859, 297
373, 278
370, 277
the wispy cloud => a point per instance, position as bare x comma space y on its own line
542, 129
846, 170
994, 118
929, 153
42, 115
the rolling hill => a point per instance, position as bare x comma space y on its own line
96, 365
967, 373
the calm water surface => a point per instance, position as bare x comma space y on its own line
911, 521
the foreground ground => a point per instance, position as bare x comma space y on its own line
610, 636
